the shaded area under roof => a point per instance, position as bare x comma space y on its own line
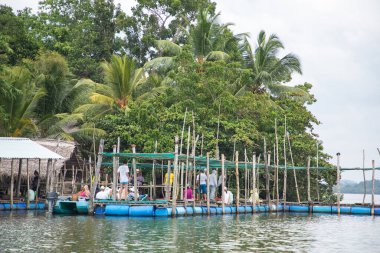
24, 148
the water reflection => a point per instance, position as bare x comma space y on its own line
35, 231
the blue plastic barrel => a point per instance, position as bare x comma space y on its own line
360, 210
241, 209
261, 209
219, 210
298, 208
321, 209
1, 206
280, 207
343, 209
180, 211
204, 210
212, 210
41, 206
20, 206
99, 210
248, 209
7, 206
198, 210
141, 211
233, 209
122, 210
227, 209
163, 212
377, 211
189, 210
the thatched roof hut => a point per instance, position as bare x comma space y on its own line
64, 148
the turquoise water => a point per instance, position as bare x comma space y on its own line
39, 232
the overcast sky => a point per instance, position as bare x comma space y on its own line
338, 44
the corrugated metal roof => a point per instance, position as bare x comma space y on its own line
24, 148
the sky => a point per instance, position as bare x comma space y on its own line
338, 44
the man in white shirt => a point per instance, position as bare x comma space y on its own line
213, 184
123, 171
228, 197
201, 179
102, 194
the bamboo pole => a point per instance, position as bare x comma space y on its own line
154, 173
117, 160
258, 177
277, 165
237, 180
187, 166
208, 181
47, 176
202, 145
27, 185
245, 178
39, 179
134, 173
182, 132
266, 173
12, 184
175, 181
194, 163
338, 181
268, 184
373, 188
254, 182
285, 168
294, 170
97, 172
63, 178
73, 179
364, 183
90, 166
167, 182
308, 180
19, 178
114, 172
223, 185
318, 198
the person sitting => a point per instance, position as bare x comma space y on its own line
188, 194
131, 194
228, 197
140, 179
102, 194
254, 198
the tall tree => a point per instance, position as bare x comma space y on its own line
153, 20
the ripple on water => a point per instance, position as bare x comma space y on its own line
38, 232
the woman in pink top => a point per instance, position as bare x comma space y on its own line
188, 194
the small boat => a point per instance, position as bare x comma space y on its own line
68, 206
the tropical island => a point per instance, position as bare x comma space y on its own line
86, 70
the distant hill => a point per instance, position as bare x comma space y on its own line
352, 187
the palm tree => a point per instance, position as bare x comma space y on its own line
209, 41
122, 78
270, 71
18, 103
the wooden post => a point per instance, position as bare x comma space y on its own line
338, 181
90, 166
154, 173
97, 172
63, 178
223, 193
47, 175
318, 171
277, 165
134, 173
268, 183
19, 177
187, 166
266, 158
364, 183
208, 181
114, 172
181, 168
175, 181
245, 179
373, 188
183, 130
167, 182
308, 180
39, 179
237, 180
254, 182
12, 184
73, 180
258, 176
294, 170
285, 168
194, 160
27, 185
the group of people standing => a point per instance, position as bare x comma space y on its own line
214, 184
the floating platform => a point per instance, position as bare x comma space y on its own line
71, 207
5, 206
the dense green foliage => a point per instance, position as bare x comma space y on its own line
85, 69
